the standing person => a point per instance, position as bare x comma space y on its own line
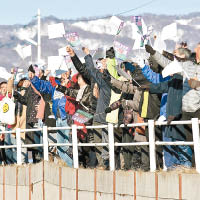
101, 135
58, 108
11, 153
82, 100
170, 157
20, 113
190, 94
81, 68
34, 115
3, 152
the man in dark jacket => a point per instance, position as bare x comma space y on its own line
174, 88
100, 135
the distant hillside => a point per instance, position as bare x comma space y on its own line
93, 34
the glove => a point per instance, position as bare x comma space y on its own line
113, 106
170, 119
110, 53
108, 110
194, 84
149, 49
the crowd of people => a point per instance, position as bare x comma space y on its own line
100, 89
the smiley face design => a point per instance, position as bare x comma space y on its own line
5, 108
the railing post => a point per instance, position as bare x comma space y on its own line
111, 147
75, 146
152, 147
45, 143
19, 146
196, 140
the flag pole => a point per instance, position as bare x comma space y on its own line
39, 37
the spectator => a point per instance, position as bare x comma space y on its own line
9, 139
190, 97
58, 107
34, 115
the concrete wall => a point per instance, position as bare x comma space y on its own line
48, 181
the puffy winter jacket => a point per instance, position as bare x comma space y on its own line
58, 98
155, 78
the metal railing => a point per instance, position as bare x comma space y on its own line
111, 144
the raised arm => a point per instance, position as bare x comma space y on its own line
42, 86
159, 58
152, 76
95, 73
79, 65
125, 87
159, 88
67, 91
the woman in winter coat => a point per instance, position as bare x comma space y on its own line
82, 99
34, 115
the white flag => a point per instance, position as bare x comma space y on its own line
115, 24
56, 62
23, 51
26, 51
159, 44
4, 74
137, 43
173, 68
169, 32
144, 28
135, 31
56, 30
18, 49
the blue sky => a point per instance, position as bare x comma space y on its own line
22, 11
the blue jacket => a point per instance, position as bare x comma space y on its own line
58, 98
155, 78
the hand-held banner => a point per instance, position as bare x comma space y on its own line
81, 116
73, 39
121, 50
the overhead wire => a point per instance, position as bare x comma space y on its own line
118, 14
